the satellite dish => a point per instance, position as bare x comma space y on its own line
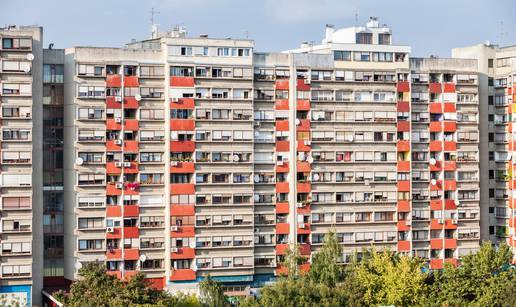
316, 177
298, 122
349, 138
256, 178
310, 159
137, 97
301, 156
143, 258
26, 69
78, 265
257, 133
236, 158
433, 182
457, 202
256, 197
79, 161
433, 161
30, 56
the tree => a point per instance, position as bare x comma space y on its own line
212, 293
326, 267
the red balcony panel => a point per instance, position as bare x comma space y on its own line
302, 85
403, 206
435, 108
116, 234
156, 283
435, 127
182, 124
436, 205
182, 146
304, 187
436, 243
403, 86
304, 125
303, 105
113, 211
182, 188
131, 210
111, 168
133, 169
182, 81
450, 185
450, 146
131, 125
450, 243
281, 104
282, 168
111, 124
117, 274
403, 126
130, 146
182, 210
128, 274
183, 103
183, 253
403, 146
131, 103
282, 228
282, 187
282, 146
131, 254
449, 204
111, 103
435, 88
437, 186
282, 84
403, 166
131, 232
282, 125
111, 146
450, 126
403, 246
132, 188
131, 81
113, 81
182, 275
281, 249
303, 167
280, 269
304, 268
435, 225
304, 209
449, 87
452, 261
403, 106
114, 254
402, 226
450, 165
438, 166
305, 230
183, 232
449, 107
404, 186
282, 208
182, 167
301, 146
112, 190
435, 146
305, 249
436, 264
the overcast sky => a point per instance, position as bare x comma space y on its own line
430, 27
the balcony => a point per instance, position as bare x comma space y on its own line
403, 186
182, 146
131, 232
403, 246
177, 81
403, 126
131, 81
403, 146
403, 206
281, 249
131, 103
131, 211
281, 104
114, 167
113, 124
450, 146
182, 103
435, 127
281, 84
435, 87
112, 103
304, 125
282, 208
282, 187
282, 125
182, 275
303, 105
182, 124
304, 187
403, 87
435, 146
182, 188
113, 81
182, 167
435, 108
130, 146
182, 210
449, 87
282, 228
303, 167
183, 253
403, 166
131, 254
131, 125
282, 146
183, 232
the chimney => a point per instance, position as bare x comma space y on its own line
329, 33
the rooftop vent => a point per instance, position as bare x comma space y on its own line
203, 36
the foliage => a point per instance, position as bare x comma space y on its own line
212, 293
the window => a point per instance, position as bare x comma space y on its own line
382, 56
186, 51
361, 56
181, 71
384, 39
93, 244
364, 38
342, 55
399, 57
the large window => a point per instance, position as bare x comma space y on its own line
342, 55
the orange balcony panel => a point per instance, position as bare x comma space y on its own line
131, 81
303, 167
450, 126
402, 226
111, 168
305, 249
450, 165
183, 167
131, 232
111, 124
403, 86
131, 254
131, 103
182, 188
403, 166
452, 261
304, 268
131, 125
131, 210
282, 208
448, 224
403, 185
302, 86
182, 210
403, 146
183, 232
116, 234
183, 103
281, 84
303, 105
301, 146
450, 185
403, 126
304, 187
156, 283
435, 127
282, 168
436, 264
436, 108
436, 243
282, 125
133, 169
449, 107
281, 270
282, 146
111, 103
132, 188
281, 249
282, 187
182, 146
436, 205
435, 88
183, 253
182, 81
130, 146
403, 246
281, 104
112, 190
435, 225
182, 124
437, 186
304, 210
450, 146
403, 206
113, 211
282, 228
435, 146
111, 146
450, 243
449, 204
113, 81
305, 230
117, 274
182, 275
304, 125
114, 254
436, 167
128, 274
403, 106
449, 87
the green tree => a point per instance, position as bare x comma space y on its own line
212, 293
326, 267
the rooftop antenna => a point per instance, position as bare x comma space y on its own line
502, 33
356, 18
154, 27
246, 33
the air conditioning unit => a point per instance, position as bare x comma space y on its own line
119, 185
175, 99
300, 205
118, 164
272, 264
256, 230
280, 163
366, 182
110, 229
118, 99
308, 143
118, 142
127, 164
174, 163
307, 81
256, 124
174, 249
302, 225
440, 221
174, 228
118, 119
455, 221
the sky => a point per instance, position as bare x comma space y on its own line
430, 27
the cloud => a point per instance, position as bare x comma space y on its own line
311, 10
